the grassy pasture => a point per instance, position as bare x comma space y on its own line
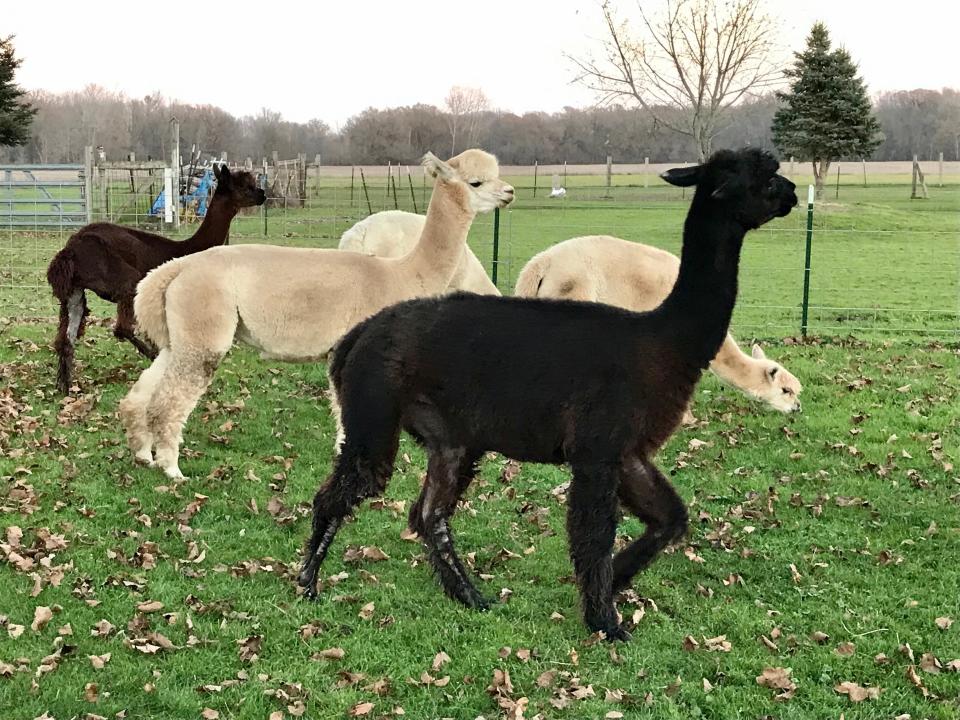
860, 494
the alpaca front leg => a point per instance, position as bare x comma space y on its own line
179, 390
592, 527
648, 494
133, 409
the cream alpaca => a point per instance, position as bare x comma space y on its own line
290, 303
394, 232
600, 268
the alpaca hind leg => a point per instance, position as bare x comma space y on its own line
449, 473
124, 329
648, 494
180, 388
592, 527
63, 344
133, 408
354, 478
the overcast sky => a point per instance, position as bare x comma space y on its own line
330, 60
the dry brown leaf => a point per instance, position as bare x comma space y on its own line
944, 623
366, 612
707, 685
819, 637
778, 678
846, 649
915, 679
98, 661
690, 644
14, 630
930, 664
717, 644
546, 679
439, 660
249, 648
856, 693
209, 714
91, 693
41, 616
329, 654
149, 606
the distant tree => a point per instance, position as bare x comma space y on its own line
464, 108
687, 68
16, 113
826, 113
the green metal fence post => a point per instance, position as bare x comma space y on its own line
806, 263
496, 243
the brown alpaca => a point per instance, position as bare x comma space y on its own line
111, 259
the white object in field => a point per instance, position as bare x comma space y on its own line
810, 194
168, 195
557, 190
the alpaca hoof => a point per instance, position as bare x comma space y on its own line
143, 457
173, 473
617, 632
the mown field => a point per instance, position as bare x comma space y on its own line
823, 546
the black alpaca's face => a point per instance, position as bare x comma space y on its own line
746, 181
242, 187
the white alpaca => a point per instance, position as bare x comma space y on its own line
393, 233
601, 268
290, 303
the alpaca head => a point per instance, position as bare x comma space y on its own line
478, 172
743, 183
774, 384
241, 189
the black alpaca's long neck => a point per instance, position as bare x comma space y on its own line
214, 229
698, 310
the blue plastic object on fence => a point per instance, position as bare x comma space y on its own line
200, 194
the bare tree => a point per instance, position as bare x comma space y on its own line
465, 107
688, 67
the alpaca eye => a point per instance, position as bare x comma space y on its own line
476, 183
787, 391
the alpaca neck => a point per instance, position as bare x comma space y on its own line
699, 308
435, 257
734, 366
215, 228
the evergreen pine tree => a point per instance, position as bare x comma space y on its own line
15, 113
826, 114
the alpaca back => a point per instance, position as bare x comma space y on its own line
394, 233
601, 268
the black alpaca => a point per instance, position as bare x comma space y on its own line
547, 381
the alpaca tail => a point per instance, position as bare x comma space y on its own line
531, 277
150, 303
60, 274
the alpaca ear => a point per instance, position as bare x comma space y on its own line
757, 353
772, 372
224, 172
437, 167
682, 177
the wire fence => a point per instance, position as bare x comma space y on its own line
880, 263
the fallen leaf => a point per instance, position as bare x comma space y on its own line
329, 654
856, 693
930, 664
778, 678
944, 623
846, 649
98, 661
439, 660
91, 692
41, 616
149, 606
366, 612
209, 714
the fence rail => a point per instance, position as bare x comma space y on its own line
879, 263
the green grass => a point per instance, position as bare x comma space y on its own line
856, 493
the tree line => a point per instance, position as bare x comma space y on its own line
925, 122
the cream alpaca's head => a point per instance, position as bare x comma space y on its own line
774, 384
478, 172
